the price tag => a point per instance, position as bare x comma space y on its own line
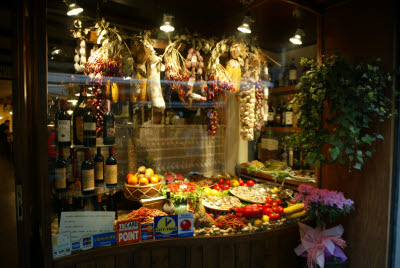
194, 59
191, 81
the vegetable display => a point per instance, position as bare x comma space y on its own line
145, 215
231, 221
181, 191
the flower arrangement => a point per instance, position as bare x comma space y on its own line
323, 204
322, 244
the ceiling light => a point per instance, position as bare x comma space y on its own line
167, 24
296, 39
74, 9
10, 112
74, 102
56, 51
245, 27
70, 112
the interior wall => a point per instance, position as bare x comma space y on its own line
362, 30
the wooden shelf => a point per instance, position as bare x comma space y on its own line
285, 129
282, 90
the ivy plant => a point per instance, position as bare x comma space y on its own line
354, 101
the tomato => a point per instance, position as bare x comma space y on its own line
280, 210
217, 187
278, 216
250, 183
240, 182
274, 204
226, 187
292, 202
266, 206
185, 225
274, 216
275, 209
278, 201
221, 181
269, 200
267, 211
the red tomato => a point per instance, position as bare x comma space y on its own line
274, 204
242, 184
250, 183
269, 200
240, 181
292, 202
267, 211
278, 216
278, 201
274, 216
280, 210
217, 187
221, 181
266, 206
226, 187
185, 225
275, 209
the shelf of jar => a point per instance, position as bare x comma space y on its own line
285, 129
282, 90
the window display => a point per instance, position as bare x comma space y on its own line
164, 135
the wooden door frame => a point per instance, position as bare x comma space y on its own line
30, 132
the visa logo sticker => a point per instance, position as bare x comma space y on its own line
128, 232
165, 226
185, 225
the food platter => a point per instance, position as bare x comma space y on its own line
295, 175
243, 193
234, 201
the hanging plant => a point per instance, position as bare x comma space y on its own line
356, 101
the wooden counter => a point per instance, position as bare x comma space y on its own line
273, 248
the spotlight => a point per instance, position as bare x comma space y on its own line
296, 39
167, 24
245, 27
74, 9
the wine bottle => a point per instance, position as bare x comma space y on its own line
89, 126
111, 204
288, 116
87, 176
77, 120
292, 73
271, 115
109, 126
98, 167
111, 169
63, 126
283, 112
99, 204
60, 181
70, 206
278, 116
71, 167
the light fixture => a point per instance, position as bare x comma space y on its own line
245, 27
1, 117
10, 112
74, 9
56, 51
74, 102
296, 39
70, 112
167, 24
87, 95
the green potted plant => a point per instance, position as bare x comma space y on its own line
340, 107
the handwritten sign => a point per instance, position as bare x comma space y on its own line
84, 223
128, 232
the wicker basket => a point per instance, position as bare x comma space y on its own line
137, 192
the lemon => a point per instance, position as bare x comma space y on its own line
258, 223
207, 191
265, 218
214, 192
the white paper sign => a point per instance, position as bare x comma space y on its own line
61, 245
83, 223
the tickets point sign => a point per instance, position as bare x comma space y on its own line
128, 232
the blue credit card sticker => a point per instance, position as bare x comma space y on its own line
103, 240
